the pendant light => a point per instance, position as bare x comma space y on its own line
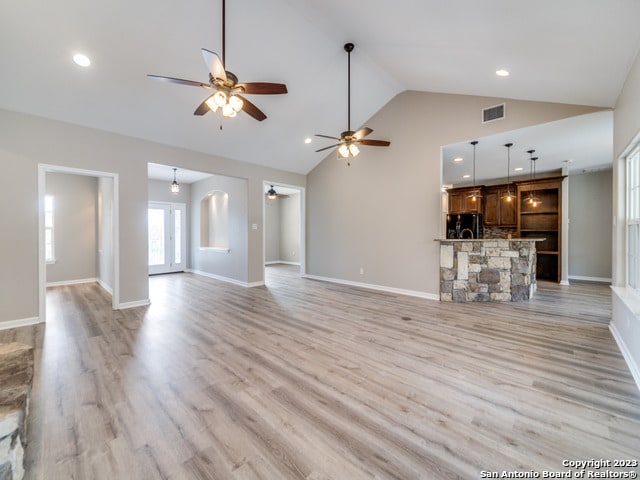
508, 197
532, 200
175, 186
475, 194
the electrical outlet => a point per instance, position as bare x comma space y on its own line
361, 270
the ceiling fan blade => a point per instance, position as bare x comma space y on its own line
263, 88
375, 143
327, 136
363, 132
216, 69
179, 81
327, 148
203, 107
250, 109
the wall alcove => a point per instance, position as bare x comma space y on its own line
214, 221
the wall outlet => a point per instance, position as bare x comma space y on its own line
361, 270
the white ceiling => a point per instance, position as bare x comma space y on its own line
156, 171
572, 51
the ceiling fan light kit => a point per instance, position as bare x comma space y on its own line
227, 96
349, 140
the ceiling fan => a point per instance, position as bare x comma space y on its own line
349, 140
272, 194
227, 92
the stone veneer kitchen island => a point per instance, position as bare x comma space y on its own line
487, 270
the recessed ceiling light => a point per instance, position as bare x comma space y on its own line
307, 140
518, 169
457, 159
502, 73
81, 60
466, 176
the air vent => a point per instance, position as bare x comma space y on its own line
491, 114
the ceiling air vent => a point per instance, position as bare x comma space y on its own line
490, 114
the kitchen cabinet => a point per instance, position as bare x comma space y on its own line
498, 212
460, 200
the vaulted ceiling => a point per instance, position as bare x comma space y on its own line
570, 51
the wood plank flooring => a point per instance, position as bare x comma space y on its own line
309, 380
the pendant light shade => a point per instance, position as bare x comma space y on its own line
175, 186
508, 197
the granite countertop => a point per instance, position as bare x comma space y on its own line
488, 239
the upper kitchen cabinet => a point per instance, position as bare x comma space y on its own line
461, 200
499, 211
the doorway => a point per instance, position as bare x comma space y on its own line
167, 237
284, 227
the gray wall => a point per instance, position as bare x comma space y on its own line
159, 191
105, 233
68, 145
383, 212
232, 265
282, 229
590, 207
290, 228
75, 226
272, 230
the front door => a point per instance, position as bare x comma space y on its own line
166, 227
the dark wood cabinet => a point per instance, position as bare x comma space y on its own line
540, 216
498, 210
461, 200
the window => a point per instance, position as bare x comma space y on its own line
633, 219
48, 229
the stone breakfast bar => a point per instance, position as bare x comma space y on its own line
487, 270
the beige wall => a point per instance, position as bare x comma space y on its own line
382, 214
26, 141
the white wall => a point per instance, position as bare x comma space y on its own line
382, 214
590, 226
75, 225
68, 145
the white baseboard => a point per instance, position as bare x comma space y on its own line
136, 303
272, 263
590, 279
255, 284
370, 286
628, 357
23, 322
225, 279
282, 262
105, 287
71, 282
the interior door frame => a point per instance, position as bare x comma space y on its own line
183, 244
303, 225
43, 169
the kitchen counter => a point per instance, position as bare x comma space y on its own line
487, 270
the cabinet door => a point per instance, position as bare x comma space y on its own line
508, 211
471, 206
455, 202
491, 208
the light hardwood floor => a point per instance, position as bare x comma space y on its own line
310, 380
